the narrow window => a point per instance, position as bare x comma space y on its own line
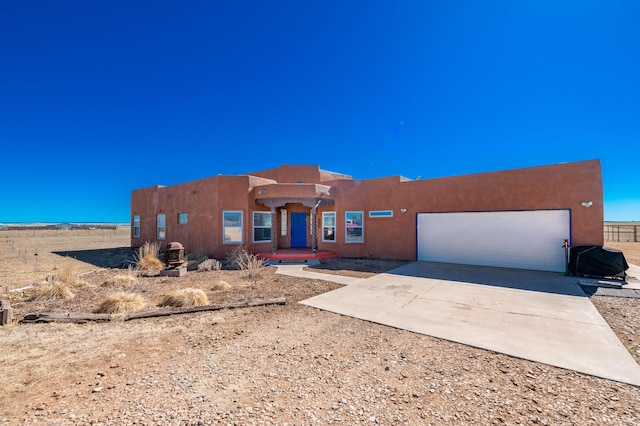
283, 222
183, 218
136, 227
381, 213
162, 226
354, 227
261, 227
232, 227
329, 226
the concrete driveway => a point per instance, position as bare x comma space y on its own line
539, 316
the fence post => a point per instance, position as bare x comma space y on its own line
635, 233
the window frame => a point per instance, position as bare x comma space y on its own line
161, 235
183, 218
360, 226
325, 226
136, 226
254, 227
224, 227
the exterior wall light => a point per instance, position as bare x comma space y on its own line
403, 210
262, 191
587, 203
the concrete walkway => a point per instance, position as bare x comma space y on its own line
297, 270
539, 316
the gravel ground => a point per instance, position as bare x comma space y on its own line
288, 364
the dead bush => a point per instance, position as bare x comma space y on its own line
221, 285
185, 297
252, 266
209, 265
50, 292
238, 257
121, 303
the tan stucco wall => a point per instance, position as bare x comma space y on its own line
561, 186
300, 173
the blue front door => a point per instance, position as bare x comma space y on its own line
298, 230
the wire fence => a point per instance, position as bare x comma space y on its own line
622, 233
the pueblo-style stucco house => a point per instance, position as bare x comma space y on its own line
515, 218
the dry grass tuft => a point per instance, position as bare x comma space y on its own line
147, 257
185, 297
67, 276
150, 263
221, 285
209, 265
121, 281
121, 303
50, 292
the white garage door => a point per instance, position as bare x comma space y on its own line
523, 239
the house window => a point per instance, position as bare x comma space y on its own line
183, 218
381, 213
354, 227
136, 227
162, 226
329, 226
283, 222
261, 227
232, 227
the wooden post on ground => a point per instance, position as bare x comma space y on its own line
81, 318
6, 312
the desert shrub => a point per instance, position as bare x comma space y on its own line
50, 292
209, 265
194, 258
147, 257
221, 285
120, 303
185, 297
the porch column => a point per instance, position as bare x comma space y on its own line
312, 224
274, 230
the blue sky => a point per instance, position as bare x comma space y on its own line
99, 98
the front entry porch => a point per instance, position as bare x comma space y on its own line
296, 255
294, 223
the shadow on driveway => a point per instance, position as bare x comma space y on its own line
517, 279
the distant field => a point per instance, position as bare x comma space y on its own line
29, 255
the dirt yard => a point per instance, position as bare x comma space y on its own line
282, 364
631, 250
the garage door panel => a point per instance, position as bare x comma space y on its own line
524, 239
